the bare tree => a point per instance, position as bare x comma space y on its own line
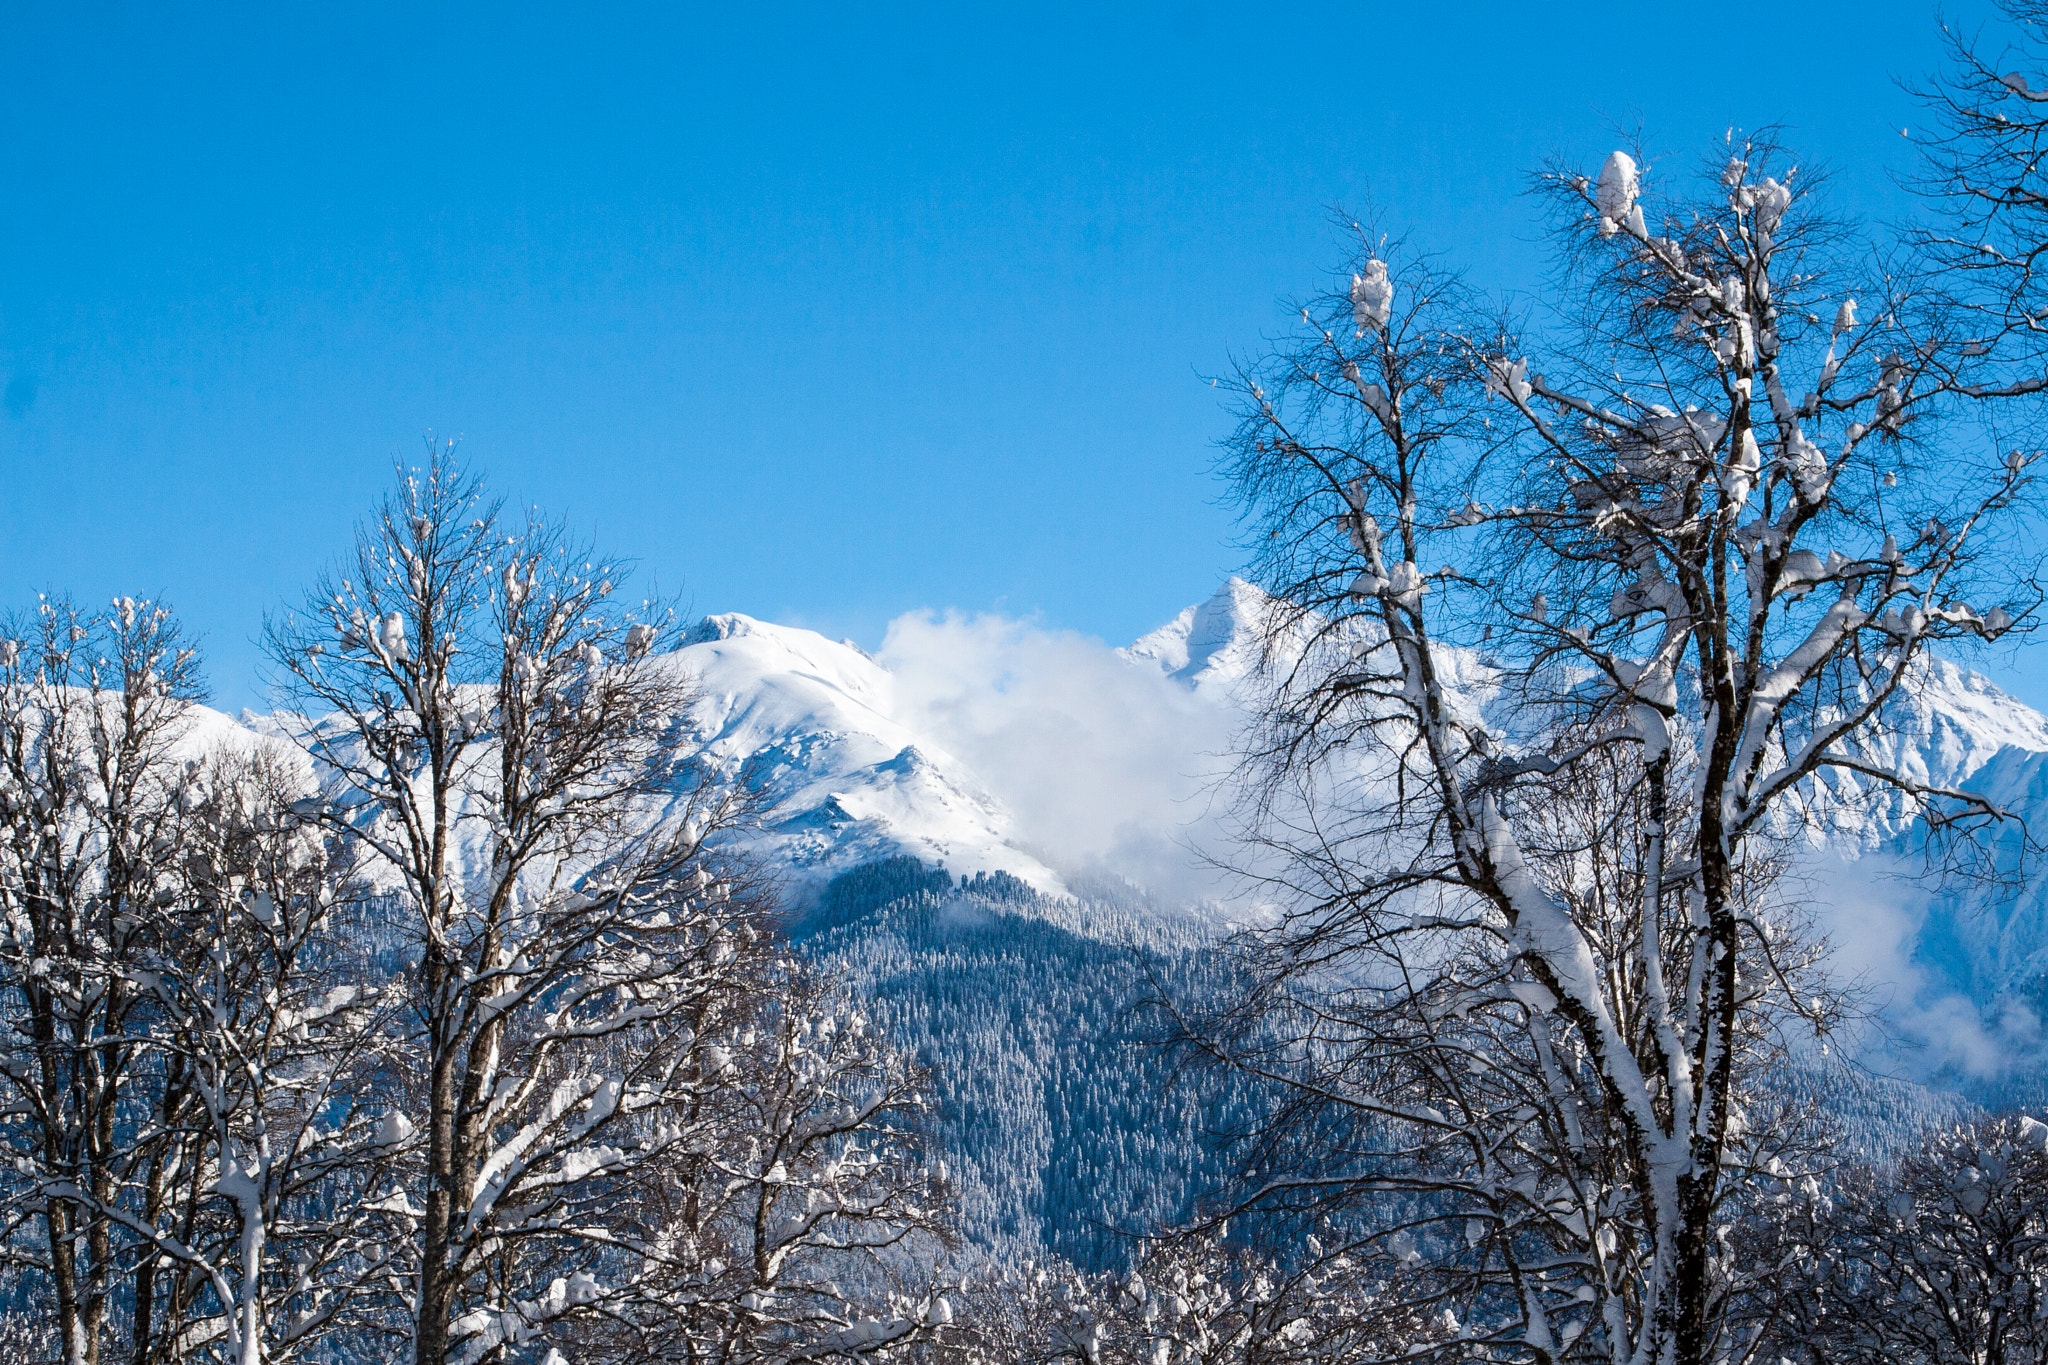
1937, 1258
94, 708
1984, 171
259, 1220
443, 1030
507, 752
810, 1228
1529, 973
181, 1037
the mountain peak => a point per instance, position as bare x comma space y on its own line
723, 626
1213, 645
843, 776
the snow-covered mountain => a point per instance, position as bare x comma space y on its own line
852, 778
1024, 1006
846, 780
1958, 957
851, 770
850, 775
939, 888
848, 757
1952, 728
1212, 648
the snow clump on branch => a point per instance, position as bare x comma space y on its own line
1620, 183
1372, 296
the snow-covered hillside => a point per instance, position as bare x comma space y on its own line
1214, 647
1958, 963
850, 769
1947, 730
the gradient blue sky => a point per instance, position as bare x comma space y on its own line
825, 313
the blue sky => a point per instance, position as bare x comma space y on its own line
824, 313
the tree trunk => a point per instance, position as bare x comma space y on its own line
430, 1342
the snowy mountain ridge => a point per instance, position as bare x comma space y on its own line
848, 772
925, 881
1213, 646
1959, 964
1944, 730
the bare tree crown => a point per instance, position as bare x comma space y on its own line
1581, 613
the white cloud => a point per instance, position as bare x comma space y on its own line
1106, 765
1874, 910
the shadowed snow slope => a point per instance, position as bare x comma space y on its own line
1945, 731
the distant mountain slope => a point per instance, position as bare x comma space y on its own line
1943, 730
1216, 646
1066, 1131
848, 774
2005, 947
1067, 1128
